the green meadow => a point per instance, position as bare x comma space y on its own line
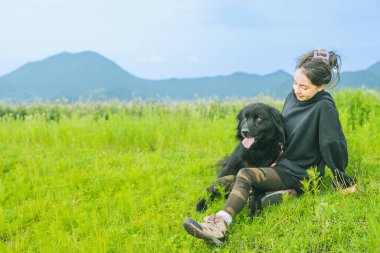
122, 177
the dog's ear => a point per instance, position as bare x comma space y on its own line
239, 119
279, 124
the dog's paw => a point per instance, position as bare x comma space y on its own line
201, 205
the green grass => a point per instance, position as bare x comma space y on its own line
123, 177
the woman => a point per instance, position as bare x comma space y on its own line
314, 137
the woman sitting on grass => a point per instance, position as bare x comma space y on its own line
314, 137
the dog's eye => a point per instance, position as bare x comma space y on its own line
258, 119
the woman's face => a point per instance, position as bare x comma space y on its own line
302, 86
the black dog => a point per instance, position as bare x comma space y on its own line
261, 136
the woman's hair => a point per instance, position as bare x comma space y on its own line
321, 67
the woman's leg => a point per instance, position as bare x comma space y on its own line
263, 179
227, 182
215, 226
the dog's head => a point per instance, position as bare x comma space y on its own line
259, 122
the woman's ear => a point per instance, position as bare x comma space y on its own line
321, 87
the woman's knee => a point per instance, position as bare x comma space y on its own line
245, 174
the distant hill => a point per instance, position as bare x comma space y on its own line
67, 75
276, 84
369, 77
89, 75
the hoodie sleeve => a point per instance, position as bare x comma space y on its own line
332, 143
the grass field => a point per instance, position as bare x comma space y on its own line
123, 177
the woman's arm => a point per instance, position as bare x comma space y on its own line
333, 145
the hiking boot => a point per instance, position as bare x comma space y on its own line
273, 198
213, 230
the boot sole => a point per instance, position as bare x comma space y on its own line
195, 230
275, 198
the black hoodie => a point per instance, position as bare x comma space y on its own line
314, 135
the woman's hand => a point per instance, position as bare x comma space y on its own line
282, 151
348, 190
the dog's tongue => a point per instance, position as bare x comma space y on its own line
247, 142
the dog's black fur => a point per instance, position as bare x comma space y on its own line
265, 124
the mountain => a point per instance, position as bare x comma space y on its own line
234, 85
85, 74
91, 76
369, 77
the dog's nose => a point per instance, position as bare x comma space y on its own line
244, 131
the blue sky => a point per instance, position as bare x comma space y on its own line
175, 38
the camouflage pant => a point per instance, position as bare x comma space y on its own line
240, 186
